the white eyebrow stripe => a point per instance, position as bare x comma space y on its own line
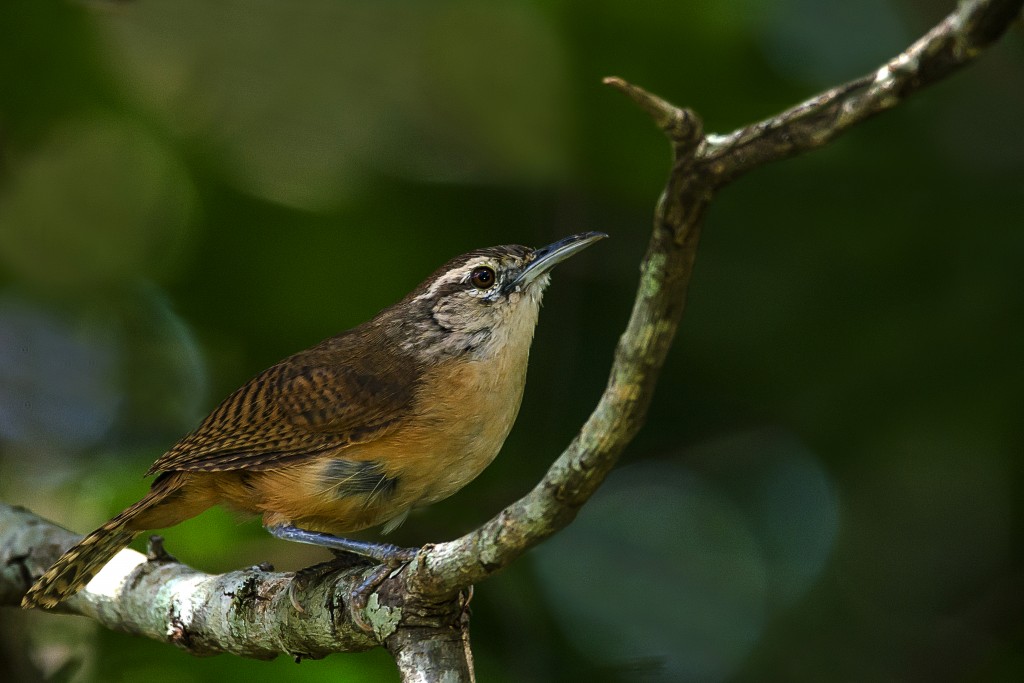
459, 274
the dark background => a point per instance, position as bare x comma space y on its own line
829, 485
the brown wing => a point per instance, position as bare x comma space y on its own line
326, 398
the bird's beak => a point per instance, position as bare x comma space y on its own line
545, 258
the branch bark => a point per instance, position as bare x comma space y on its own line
246, 612
418, 612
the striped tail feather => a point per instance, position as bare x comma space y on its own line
81, 562
77, 566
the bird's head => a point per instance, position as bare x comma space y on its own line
484, 300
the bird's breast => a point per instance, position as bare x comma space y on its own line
463, 415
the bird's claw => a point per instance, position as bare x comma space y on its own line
360, 595
342, 560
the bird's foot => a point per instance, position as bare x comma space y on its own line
390, 557
360, 595
342, 560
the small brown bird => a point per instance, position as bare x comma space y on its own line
395, 414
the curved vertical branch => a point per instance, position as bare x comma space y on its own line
701, 165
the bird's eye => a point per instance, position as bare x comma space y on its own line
482, 277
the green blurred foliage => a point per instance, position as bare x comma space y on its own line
829, 485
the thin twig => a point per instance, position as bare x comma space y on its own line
954, 42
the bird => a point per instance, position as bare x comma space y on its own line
395, 414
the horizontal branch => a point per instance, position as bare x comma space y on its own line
247, 612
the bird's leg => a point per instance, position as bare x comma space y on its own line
389, 556
384, 553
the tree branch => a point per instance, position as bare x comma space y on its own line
954, 42
701, 165
417, 612
246, 612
